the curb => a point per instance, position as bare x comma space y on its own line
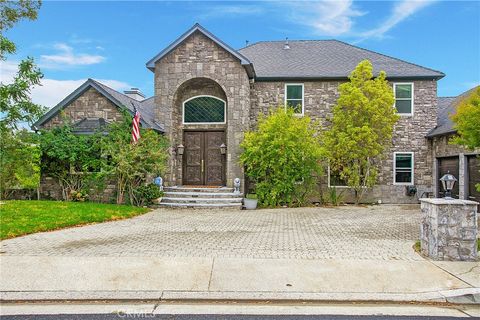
456, 296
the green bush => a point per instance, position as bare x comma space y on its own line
145, 194
334, 197
282, 157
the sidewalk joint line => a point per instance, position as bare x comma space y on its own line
211, 274
453, 275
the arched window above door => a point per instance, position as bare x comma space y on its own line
204, 109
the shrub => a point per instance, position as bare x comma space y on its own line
334, 197
78, 196
282, 157
145, 194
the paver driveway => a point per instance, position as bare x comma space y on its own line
378, 232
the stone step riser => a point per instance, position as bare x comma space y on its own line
200, 206
202, 200
207, 190
201, 195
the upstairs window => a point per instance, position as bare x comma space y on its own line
294, 97
204, 109
403, 98
403, 168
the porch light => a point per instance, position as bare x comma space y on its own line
180, 149
223, 148
448, 181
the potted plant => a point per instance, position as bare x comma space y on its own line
250, 202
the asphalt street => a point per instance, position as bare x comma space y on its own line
213, 317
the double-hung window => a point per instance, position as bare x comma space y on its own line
403, 168
294, 97
403, 98
334, 179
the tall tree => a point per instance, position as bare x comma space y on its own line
19, 156
361, 128
467, 120
15, 102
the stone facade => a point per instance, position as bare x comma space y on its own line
440, 148
449, 229
200, 66
91, 104
409, 134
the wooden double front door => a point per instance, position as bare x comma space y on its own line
203, 162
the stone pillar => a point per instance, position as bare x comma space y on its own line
448, 229
461, 176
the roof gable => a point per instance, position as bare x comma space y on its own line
197, 27
120, 100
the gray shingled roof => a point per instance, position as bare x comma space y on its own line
326, 59
446, 107
145, 107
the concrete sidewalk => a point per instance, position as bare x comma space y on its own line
146, 278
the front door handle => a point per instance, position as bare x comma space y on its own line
202, 166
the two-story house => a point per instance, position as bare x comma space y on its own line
207, 94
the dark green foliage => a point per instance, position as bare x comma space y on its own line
84, 163
145, 194
282, 157
19, 162
132, 165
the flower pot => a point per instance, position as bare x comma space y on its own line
250, 204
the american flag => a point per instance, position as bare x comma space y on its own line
135, 125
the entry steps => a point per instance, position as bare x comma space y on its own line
198, 197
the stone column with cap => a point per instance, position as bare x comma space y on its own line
448, 229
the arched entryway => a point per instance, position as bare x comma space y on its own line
202, 117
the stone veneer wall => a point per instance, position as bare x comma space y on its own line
199, 57
441, 147
91, 104
409, 135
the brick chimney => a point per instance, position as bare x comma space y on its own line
135, 93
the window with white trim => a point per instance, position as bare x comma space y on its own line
334, 179
403, 98
403, 168
294, 97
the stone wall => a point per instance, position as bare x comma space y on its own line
91, 104
198, 57
440, 148
409, 135
448, 230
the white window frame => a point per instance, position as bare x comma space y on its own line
328, 180
412, 98
395, 169
303, 97
203, 123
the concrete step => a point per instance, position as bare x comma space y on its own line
199, 189
201, 200
201, 205
176, 194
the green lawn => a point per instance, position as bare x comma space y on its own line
23, 217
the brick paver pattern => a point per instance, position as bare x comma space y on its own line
383, 232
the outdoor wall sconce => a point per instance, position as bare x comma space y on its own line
180, 149
223, 148
448, 181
